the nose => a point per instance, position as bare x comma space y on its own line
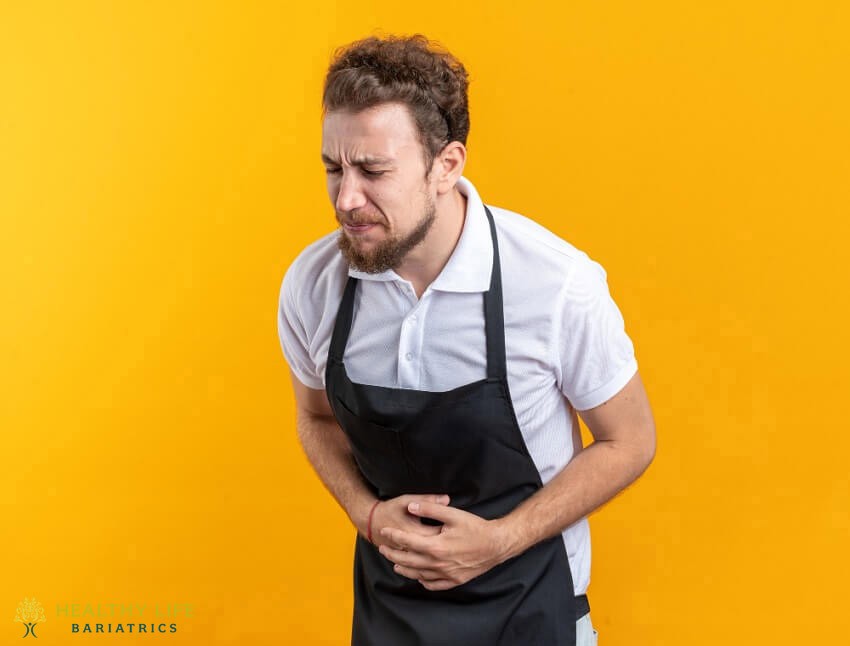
350, 195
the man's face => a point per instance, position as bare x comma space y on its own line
376, 181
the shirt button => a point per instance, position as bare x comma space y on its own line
408, 356
413, 319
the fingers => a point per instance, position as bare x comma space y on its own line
430, 579
407, 540
413, 565
395, 512
423, 530
406, 558
439, 499
419, 575
420, 567
408, 526
436, 511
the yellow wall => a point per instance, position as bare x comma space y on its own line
159, 169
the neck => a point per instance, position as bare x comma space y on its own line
424, 263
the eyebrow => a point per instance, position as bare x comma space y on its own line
364, 160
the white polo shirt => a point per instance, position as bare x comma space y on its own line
565, 340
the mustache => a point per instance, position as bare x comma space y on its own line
358, 218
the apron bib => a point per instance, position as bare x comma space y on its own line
466, 443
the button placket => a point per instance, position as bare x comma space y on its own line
410, 347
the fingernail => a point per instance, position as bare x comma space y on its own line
414, 506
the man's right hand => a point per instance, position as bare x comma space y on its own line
394, 513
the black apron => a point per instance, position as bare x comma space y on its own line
466, 443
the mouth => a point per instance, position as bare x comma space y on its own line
361, 227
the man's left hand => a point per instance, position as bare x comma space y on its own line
466, 547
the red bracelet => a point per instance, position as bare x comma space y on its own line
369, 523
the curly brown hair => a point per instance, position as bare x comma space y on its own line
411, 70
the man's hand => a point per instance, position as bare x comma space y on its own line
465, 547
394, 514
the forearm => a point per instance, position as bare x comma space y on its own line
592, 478
328, 450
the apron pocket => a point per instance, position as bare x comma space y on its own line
377, 450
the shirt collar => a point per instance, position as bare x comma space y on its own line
468, 268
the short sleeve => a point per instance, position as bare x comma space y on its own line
294, 340
596, 356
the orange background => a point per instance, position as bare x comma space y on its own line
159, 170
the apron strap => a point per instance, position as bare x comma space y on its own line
342, 327
494, 316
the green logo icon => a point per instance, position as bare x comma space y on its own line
29, 614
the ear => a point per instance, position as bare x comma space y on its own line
448, 166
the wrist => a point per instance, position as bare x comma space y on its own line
509, 536
359, 515
370, 527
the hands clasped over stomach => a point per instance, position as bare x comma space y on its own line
439, 557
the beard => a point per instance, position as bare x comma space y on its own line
389, 253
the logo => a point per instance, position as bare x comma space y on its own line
29, 614
105, 618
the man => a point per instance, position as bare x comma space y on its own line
440, 349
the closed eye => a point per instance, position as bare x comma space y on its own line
373, 173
